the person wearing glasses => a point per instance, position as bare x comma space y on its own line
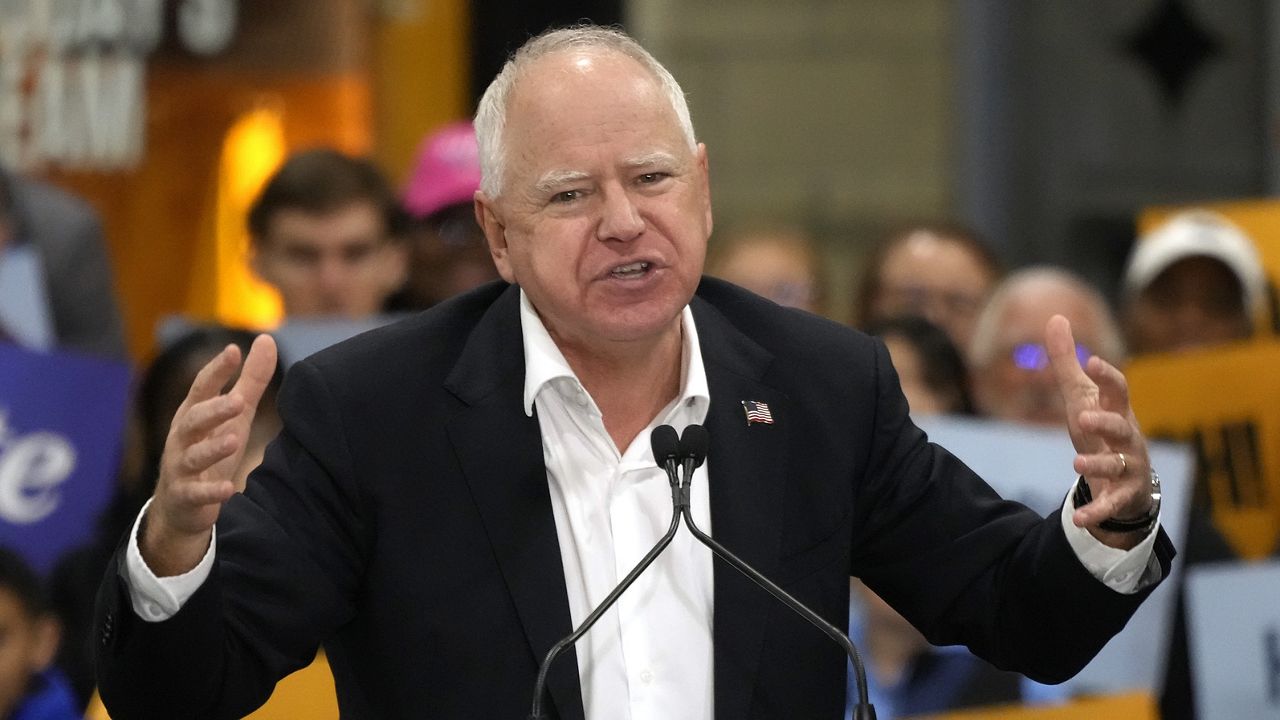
1009, 365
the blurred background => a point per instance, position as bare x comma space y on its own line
1044, 134
1048, 127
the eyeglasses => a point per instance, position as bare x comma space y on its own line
1035, 356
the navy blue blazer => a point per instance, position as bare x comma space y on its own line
402, 519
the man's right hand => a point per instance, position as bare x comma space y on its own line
204, 447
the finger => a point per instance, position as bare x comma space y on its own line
205, 454
213, 376
1125, 501
1113, 428
1061, 346
193, 423
259, 367
1111, 383
1103, 465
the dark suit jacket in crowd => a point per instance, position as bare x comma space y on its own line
67, 236
403, 519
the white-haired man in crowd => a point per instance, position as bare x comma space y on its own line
1011, 374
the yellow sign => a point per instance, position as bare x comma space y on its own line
1225, 402
1136, 706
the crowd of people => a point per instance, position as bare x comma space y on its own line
965, 334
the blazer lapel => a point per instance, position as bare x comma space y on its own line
500, 451
747, 464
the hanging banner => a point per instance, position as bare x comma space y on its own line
73, 76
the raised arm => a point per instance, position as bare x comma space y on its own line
206, 442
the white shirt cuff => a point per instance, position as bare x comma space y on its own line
154, 598
1125, 571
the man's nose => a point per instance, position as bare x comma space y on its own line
620, 218
333, 273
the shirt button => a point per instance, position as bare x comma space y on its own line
646, 677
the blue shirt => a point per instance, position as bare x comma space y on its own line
49, 698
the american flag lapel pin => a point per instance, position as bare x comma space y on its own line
757, 412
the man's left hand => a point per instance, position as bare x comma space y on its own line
1111, 451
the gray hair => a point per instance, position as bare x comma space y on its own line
982, 347
491, 115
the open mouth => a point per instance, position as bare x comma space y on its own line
630, 270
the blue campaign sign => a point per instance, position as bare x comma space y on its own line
61, 420
1233, 626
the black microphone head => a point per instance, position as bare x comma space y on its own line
694, 443
665, 444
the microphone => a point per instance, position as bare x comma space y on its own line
694, 444
666, 452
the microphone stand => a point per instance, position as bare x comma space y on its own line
693, 450
664, 446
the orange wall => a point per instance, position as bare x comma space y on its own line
421, 77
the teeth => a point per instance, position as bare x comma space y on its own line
633, 268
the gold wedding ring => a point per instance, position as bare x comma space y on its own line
1124, 464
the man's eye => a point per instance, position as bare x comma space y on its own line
649, 178
566, 196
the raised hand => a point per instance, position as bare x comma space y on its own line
1111, 451
205, 444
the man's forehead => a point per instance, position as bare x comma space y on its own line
301, 226
556, 177
574, 77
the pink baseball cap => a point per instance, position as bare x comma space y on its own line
447, 171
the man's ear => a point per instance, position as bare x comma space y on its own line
257, 261
396, 262
48, 635
495, 234
704, 171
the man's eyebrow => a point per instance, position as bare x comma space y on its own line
650, 159
558, 178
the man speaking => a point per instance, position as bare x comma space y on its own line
452, 494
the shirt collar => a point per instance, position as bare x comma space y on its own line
543, 361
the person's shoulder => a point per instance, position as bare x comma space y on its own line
420, 343
782, 331
37, 197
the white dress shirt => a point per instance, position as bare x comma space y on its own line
649, 657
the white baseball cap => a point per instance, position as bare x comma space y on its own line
1198, 233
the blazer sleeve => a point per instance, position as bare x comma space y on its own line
289, 559
967, 567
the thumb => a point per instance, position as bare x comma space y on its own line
258, 368
1061, 346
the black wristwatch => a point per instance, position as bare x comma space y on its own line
1083, 496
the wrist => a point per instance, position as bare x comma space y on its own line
1139, 525
168, 552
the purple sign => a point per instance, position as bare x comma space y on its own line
61, 420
